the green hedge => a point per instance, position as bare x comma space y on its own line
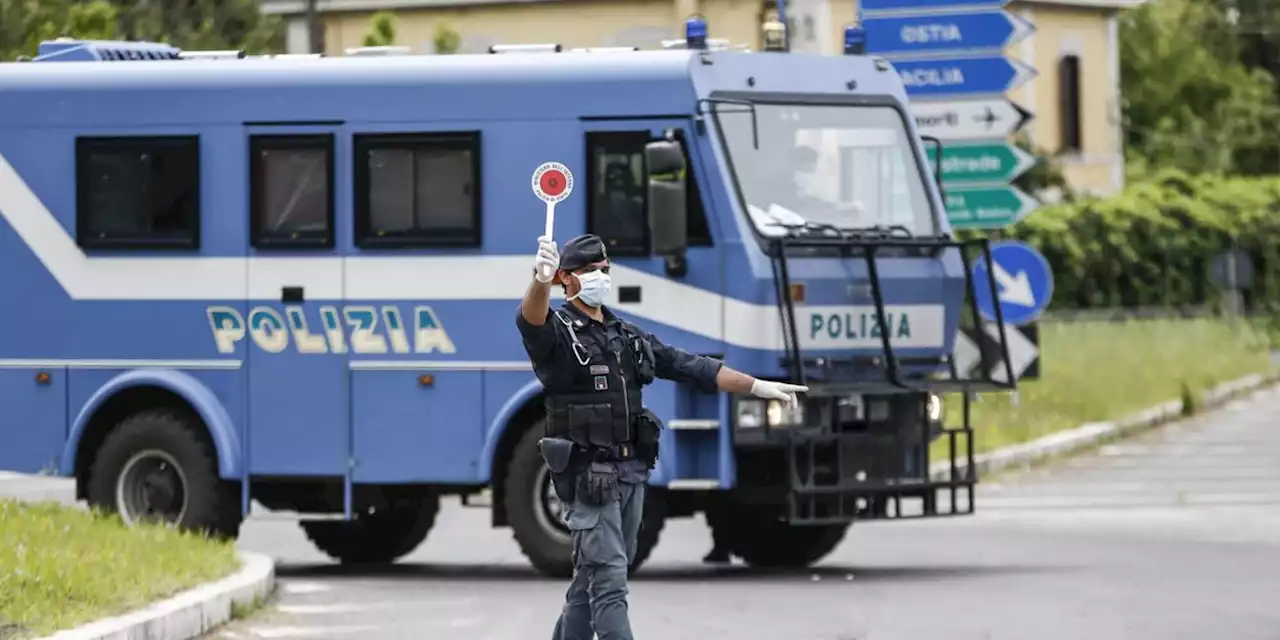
1152, 244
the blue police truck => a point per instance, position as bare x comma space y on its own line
293, 280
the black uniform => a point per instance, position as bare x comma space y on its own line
593, 373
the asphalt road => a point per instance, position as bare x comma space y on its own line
1174, 535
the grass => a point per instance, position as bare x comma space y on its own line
61, 567
1095, 371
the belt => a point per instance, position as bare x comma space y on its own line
616, 453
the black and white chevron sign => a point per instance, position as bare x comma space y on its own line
1024, 352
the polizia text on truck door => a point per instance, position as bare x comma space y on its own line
289, 281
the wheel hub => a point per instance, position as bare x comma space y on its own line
548, 509
151, 487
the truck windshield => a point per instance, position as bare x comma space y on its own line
846, 166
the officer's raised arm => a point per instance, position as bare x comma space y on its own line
709, 374
535, 307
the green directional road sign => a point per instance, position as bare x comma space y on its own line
987, 207
981, 163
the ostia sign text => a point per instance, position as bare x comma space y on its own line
358, 329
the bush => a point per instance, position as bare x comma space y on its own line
1153, 244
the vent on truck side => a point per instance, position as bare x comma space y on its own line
69, 50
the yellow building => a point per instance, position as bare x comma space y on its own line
1074, 39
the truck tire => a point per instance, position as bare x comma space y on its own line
651, 525
534, 512
381, 537
765, 542
155, 466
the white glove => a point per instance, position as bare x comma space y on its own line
547, 260
780, 391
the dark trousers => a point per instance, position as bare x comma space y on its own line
604, 544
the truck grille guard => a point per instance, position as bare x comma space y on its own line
836, 475
895, 370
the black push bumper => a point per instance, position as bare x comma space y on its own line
870, 443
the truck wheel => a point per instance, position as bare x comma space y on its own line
764, 542
651, 524
534, 511
154, 467
380, 537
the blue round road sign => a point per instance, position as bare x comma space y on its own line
1024, 283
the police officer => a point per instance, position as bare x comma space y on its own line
601, 443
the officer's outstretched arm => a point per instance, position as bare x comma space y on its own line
733, 381
737, 382
535, 307
707, 374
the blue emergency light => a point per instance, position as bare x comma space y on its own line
855, 39
695, 32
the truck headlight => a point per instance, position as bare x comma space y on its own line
754, 413
933, 408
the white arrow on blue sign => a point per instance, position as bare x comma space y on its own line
915, 5
944, 32
976, 75
1024, 283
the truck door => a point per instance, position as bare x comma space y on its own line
657, 298
297, 409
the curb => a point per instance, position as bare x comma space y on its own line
189, 614
1093, 434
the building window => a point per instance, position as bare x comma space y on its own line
138, 192
418, 189
616, 206
1069, 106
291, 186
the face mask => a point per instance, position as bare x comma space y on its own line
594, 287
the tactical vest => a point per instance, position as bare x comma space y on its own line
599, 409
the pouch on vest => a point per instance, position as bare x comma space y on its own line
598, 486
558, 454
642, 356
592, 423
648, 431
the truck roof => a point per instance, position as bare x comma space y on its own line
409, 88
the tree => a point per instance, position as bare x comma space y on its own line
24, 24
194, 24
446, 40
382, 30
204, 24
1046, 175
1189, 101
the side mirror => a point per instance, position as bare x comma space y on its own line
667, 197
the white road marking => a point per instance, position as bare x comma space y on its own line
308, 632
318, 609
298, 588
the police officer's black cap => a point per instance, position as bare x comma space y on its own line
582, 251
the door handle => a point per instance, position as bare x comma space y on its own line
291, 294
629, 295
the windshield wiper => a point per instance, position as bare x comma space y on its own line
879, 230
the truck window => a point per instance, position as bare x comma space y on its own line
291, 186
616, 206
417, 189
138, 192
